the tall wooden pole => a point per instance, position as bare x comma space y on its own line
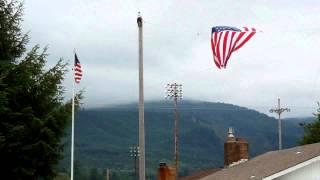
141, 104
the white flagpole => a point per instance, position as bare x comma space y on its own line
72, 126
142, 168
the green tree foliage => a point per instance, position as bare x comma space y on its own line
95, 174
87, 173
312, 130
80, 172
62, 176
33, 114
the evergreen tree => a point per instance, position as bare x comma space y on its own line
94, 174
80, 172
312, 130
33, 114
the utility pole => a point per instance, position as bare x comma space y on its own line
174, 91
142, 168
135, 152
279, 111
107, 174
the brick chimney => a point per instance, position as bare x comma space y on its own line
236, 150
166, 172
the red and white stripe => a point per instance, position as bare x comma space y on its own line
77, 72
224, 43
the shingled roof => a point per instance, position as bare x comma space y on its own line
199, 174
267, 164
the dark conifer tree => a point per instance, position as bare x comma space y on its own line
33, 113
312, 130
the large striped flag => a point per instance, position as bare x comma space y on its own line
77, 69
225, 40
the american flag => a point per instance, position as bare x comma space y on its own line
225, 40
77, 69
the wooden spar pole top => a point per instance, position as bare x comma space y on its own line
139, 20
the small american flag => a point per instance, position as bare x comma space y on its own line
77, 69
225, 40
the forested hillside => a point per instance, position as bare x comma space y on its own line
103, 136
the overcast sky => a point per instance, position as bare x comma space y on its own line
281, 61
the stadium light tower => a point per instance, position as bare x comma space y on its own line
279, 111
135, 153
174, 91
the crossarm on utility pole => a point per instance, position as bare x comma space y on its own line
279, 111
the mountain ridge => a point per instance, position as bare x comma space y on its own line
104, 135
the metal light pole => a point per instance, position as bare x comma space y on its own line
135, 152
279, 111
142, 170
174, 91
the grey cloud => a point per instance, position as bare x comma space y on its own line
281, 61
